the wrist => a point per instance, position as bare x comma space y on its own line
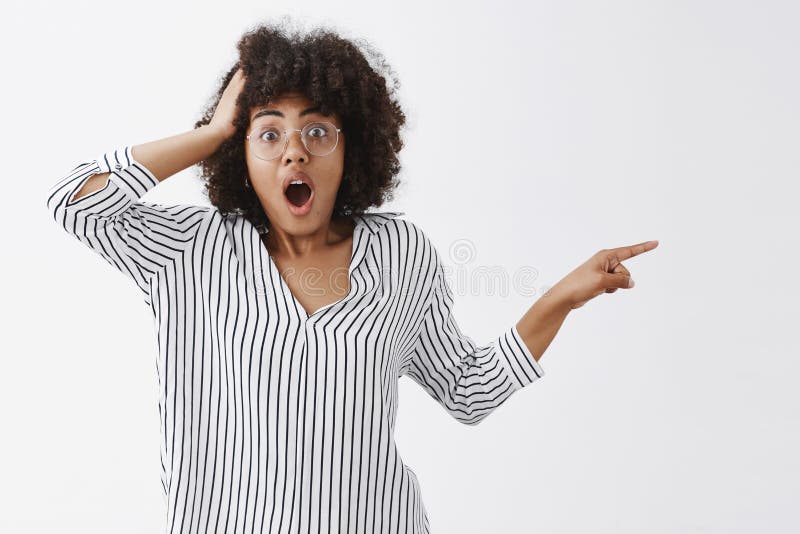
217, 134
556, 301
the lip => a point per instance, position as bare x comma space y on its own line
303, 177
297, 175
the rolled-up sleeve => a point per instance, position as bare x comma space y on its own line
468, 380
136, 238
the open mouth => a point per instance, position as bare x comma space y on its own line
298, 194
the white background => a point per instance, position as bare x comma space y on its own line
672, 407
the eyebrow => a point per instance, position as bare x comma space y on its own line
277, 113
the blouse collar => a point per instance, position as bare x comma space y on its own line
372, 221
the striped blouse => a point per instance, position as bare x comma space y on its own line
272, 419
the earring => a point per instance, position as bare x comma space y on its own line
246, 183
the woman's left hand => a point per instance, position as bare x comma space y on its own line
602, 273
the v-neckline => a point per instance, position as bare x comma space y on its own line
355, 258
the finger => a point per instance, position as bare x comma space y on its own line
613, 264
617, 280
623, 253
619, 269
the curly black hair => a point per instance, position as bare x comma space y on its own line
336, 75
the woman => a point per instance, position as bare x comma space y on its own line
286, 313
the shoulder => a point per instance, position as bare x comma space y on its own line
417, 249
395, 226
379, 221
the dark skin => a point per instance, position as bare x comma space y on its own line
313, 251
319, 278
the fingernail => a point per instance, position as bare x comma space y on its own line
630, 282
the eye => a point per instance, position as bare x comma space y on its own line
269, 135
318, 131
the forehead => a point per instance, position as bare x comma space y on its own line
290, 104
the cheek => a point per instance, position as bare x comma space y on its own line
334, 178
260, 171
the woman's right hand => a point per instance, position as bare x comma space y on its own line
226, 109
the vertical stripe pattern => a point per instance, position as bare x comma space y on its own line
274, 420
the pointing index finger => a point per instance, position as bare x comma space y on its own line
623, 253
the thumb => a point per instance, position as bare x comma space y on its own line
620, 280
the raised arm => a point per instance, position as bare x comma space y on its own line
170, 155
162, 158
98, 200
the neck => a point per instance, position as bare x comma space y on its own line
280, 242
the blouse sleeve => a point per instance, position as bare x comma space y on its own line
137, 238
468, 380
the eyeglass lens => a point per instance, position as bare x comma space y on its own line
319, 138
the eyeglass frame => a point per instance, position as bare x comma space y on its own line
286, 133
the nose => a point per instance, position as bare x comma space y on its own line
295, 149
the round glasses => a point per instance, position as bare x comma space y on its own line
269, 142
